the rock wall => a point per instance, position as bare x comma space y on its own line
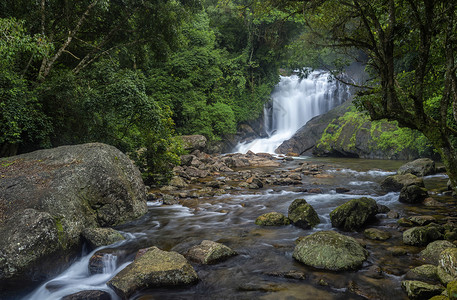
48, 197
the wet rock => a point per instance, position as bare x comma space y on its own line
451, 290
400, 250
432, 202
178, 182
209, 252
376, 234
330, 250
293, 274
395, 183
342, 190
422, 220
354, 214
197, 173
444, 277
302, 214
448, 261
315, 191
49, 197
97, 237
260, 287
100, 260
450, 235
393, 214
413, 194
383, 209
404, 222
193, 142
418, 167
155, 268
272, 219
421, 236
428, 273
88, 295
432, 252
170, 200
421, 290
374, 272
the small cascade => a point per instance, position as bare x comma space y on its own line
295, 101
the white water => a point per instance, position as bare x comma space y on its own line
294, 102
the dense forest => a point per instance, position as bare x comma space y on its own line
136, 73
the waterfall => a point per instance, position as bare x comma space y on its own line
295, 101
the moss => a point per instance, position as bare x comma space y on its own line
60, 232
272, 219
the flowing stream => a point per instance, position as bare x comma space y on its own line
294, 102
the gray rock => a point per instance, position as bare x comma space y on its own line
354, 214
194, 142
428, 273
422, 220
444, 277
376, 234
49, 197
330, 250
101, 259
421, 290
88, 295
272, 219
418, 167
422, 235
395, 183
209, 252
448, 261
302, 214
178, 182
97, 237
413, 194
154, 268
433, 250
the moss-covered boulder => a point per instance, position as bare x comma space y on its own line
413, 194
302, 214
433, 250
448, 261
272, 219
330, 250
421, 290
209, 252
428, 273
376, 234
395, 183
418, 167
451, 290
97, 237
49, 197
422, 235
354, 214
154, 268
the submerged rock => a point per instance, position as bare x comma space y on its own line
209, 252
155, 268
50, 196
354, 214
395, 183
272, 219
420, 236
418, 167
413, 194
433, 250
421, 290
302, 214
376, 234
88, 295
330, 250
97, 237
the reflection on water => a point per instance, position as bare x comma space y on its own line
266, 251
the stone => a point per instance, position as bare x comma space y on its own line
178, 182
413, 194
404, 222
421, 290
302, 214
433, 250
272, 219
393, 214
155, 268
342, 190
209, 252
422, 235
444, 277
193, 142
97, 237
428, 273
418, 167
448, 261
89, 295
354, 214
48, 197
451, 290
395, 183
376, 234
422, 220
330, 250
101, 260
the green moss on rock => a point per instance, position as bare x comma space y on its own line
272, 219
354, 214
302, 214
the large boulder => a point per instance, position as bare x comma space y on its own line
272, 219
413, 194
428, 273
448, 261
153, 268
354, 214
209, 252
422, 235
395, 183
194, 142
433, 250
418, 167
421, 290
97, 237
302, 214
48, 197
330, 250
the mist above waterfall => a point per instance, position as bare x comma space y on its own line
294, 102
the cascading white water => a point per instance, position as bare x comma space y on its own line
295, 101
